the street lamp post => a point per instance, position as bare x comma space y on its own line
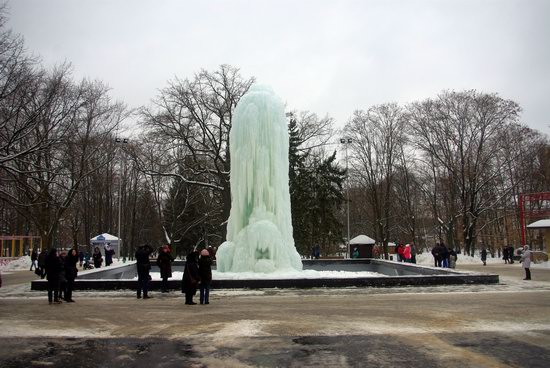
123, 141
346, 142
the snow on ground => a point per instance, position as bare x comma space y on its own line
426, 259
21, 263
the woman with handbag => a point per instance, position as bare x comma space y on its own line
190, 278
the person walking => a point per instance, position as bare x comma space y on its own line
70, 274
98, 259
484, 256
81, 258
164, 261
143, 267
526, 261
505, 255
42, 263
34, 259
205, 274
52, 270
190, 279
452, 258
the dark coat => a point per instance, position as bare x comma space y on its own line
53, 266
164, 261
205, 269
191, 278
42, 259
70, 266
142, 260
483, 255
98, 259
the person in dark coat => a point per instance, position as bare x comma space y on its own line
164, 261
191, 278
42, 263
436, 253
34, 259
205, 274
98, 259
81, 258
70, 274
444, 255
52, 269
511, 254
484, 256
505, 255
143, 267
62, 277
109, 253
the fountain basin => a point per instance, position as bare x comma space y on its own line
391, 274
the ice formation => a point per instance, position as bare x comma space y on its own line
259, 229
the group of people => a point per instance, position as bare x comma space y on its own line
405, 253
60, 270
508, 255
197, 273
443, 256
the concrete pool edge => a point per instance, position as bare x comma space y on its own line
406, 274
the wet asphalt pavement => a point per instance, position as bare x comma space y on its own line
505, 325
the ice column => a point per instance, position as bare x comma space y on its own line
259, 229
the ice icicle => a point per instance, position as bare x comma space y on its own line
259, 229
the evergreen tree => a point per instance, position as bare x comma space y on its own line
316, 196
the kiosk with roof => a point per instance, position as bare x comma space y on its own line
105, 239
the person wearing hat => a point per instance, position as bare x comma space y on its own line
205, 273
164, 261
526, 262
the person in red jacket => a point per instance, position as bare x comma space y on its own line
407, 253
400, 251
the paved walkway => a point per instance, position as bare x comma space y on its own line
505, 325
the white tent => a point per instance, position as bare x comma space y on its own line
362, 239
104, 239
540, 224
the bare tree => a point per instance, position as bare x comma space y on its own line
191, 120
459, 134
378, 136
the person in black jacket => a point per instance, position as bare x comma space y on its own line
143, 267
164, 261
42, 263
97, 257
53, 268
205, 274
190, 278
70, 274
34, 258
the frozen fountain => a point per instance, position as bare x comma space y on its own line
259, 229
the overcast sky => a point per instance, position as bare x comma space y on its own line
328, 57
